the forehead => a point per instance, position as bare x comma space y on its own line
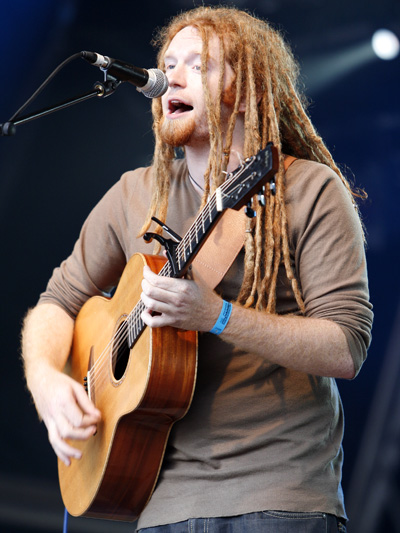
189, 40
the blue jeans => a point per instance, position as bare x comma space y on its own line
262, 522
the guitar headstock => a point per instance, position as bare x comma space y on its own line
248, 179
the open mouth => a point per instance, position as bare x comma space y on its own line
176, 107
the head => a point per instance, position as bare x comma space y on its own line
255, 79
263, 75
184, 119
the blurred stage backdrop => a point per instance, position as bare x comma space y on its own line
55, 169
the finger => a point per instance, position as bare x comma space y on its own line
62, 448
156, 321
152, 292
75, 428
66, 452
65, 429
89, 412
158, 293
178, 296
162, 282
80, 433
155, 306
73, 416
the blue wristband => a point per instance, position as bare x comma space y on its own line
223, 318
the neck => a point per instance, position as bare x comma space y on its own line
197, 156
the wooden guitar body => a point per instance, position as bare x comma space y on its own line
140, 398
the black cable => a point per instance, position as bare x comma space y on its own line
43, 85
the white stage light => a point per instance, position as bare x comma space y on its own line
385, 44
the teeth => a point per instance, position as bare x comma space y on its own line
178, 105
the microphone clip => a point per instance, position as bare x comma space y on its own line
107, 87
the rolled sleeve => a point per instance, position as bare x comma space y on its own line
329, 254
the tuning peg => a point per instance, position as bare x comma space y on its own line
272, 186
261, 197
249, 211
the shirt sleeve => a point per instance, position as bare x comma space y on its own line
329, 253
97, 260
109, 236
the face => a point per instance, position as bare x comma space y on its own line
184, 108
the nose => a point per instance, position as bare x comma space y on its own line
176, 76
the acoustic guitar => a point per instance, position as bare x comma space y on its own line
141, 379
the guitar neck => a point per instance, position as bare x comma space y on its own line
239, 187
185, 252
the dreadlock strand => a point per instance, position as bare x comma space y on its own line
159, 201
252, 142
264, 126
258, 258
287, 262
269, 242
271, 304
233, 117
246, 298
266, 81
317, 149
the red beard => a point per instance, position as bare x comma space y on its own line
177, 132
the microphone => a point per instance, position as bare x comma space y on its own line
152, 83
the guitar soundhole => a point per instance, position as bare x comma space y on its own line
120, 352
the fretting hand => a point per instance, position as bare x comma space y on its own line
180, 303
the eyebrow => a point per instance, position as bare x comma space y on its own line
189, 54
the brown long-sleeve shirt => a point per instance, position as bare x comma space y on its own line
257, 436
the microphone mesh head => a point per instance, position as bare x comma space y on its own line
157, 84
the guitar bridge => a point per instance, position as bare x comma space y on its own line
87, 382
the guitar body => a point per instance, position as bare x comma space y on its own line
140, 398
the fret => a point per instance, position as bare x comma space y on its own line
179, 262
236, 191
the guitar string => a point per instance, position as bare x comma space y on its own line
132, 325
120, 336
127, 324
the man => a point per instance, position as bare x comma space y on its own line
260, 448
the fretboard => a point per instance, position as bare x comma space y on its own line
185, 252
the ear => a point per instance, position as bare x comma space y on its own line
242, 105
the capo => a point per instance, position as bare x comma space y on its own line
170, 245
168, 230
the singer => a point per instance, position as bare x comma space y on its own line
260, 447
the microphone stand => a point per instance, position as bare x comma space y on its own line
100, 89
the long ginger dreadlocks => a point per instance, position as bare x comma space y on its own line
266, 78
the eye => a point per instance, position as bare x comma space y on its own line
169, 67
197, 68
